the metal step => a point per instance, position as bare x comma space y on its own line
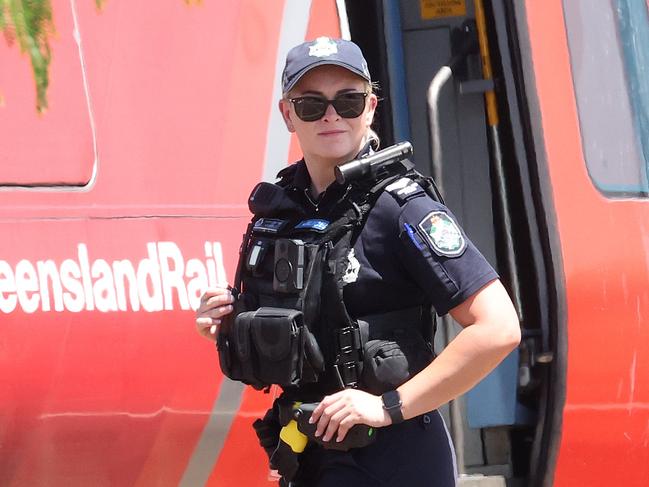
481, 481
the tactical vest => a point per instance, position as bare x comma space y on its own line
290, 325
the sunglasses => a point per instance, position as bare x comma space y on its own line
311, 108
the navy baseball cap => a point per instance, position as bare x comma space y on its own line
324, 50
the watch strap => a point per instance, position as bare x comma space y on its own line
392, 404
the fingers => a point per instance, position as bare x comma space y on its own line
335, 424
214, 313
215, 304
217, 313
344, 426
220, 300
207, 327
215, 297
319, 410
331, 417
336, 414
206, 321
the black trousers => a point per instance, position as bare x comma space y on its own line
415, 453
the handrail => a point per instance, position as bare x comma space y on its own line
434, 89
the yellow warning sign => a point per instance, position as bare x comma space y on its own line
435, 9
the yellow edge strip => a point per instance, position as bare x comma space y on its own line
490, 96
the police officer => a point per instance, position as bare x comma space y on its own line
411, 252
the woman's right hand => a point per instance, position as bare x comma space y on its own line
216, 302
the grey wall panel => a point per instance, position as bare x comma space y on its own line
466, 176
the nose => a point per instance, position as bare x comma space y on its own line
330, 113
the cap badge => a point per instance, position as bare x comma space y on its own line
322, 47
442, 234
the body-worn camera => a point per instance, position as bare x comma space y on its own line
290, 264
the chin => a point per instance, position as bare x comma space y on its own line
338, 153
338, 157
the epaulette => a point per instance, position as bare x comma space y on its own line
404, 189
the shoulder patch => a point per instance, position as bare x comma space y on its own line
403, 189
442, 234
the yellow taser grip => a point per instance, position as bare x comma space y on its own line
293, 437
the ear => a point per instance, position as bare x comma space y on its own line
372, 103
285, 109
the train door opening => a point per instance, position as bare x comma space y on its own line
434, 61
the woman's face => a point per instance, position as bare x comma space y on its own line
331, 139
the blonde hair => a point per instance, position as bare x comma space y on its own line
372, 87
373, 137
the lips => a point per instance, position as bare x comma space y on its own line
331, 132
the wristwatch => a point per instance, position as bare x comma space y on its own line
392, 404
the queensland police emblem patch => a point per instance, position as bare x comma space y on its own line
442, 234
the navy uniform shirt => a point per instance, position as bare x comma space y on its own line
409, 252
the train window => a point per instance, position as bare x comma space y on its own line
609, 56
55, 149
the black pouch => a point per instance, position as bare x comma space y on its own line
269, 346
235, 349
278, 342
389, 363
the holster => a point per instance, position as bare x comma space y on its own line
280, 455
267, 430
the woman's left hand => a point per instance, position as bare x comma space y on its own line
342, 410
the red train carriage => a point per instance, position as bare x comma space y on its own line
127, 197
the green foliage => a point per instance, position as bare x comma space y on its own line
29, 23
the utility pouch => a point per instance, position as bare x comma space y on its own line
269, 346
278, 340
389, 363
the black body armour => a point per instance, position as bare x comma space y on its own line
290, 325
